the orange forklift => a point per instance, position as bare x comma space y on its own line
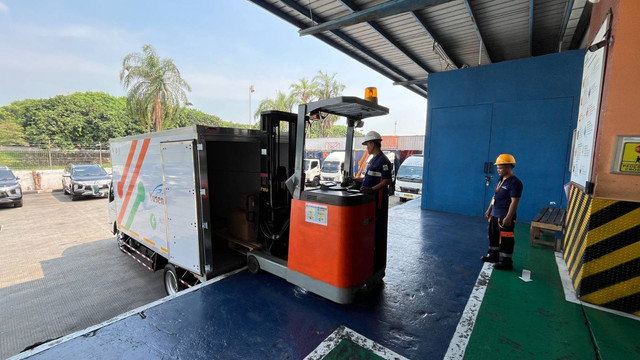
321, 239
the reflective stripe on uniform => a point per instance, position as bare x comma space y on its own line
374, 173
494, 247
506, 234
505, 255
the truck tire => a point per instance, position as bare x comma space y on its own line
316, 181
171, 283
253, 264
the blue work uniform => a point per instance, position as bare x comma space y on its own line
379, 168
501, 239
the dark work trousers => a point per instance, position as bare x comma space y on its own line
380, 242
501, 239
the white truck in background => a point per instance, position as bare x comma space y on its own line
312, 171
332, 167
409, 178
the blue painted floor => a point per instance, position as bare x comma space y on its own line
433, 262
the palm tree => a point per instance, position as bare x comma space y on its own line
304, 91
327, 87
155, 88
282, 102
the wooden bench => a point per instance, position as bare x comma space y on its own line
549, 220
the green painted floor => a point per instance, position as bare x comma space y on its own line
519, 320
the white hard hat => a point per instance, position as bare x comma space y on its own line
372, 135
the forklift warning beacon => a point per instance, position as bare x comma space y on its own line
200, 201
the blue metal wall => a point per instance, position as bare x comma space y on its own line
526, 107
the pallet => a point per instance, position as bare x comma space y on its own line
548, 220
234, 243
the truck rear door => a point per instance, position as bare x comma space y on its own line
181, 204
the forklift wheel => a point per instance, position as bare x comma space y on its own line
253, 264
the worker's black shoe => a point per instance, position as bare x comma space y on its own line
490, 258
504, 265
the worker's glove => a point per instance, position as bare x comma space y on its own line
366, 190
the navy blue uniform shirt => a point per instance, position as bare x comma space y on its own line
505, 190
379, 168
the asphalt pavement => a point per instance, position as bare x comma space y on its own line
61, 271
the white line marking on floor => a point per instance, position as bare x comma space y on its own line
460, 338
570, 292
344, 332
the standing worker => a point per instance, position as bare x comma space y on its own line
376, 182
502, 214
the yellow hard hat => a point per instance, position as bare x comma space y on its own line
504, 159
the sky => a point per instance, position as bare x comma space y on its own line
221, 48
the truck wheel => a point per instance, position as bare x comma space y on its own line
253, 264
316, 181
171, 283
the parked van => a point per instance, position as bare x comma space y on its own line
409, 178
312, 171
332, 167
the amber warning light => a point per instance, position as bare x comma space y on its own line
371, 94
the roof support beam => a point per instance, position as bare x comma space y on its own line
582, 27
530, 27
475, 25
437, 48
411, 82
389, 8
389, 38
422, 91
567, 15
309, 15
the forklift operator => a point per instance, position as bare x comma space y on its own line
378, 175
376, 182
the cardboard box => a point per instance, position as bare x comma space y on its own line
240, 227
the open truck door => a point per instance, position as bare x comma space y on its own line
181, 204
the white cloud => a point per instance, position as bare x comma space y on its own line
4, 9
29, 60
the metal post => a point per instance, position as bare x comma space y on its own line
251, 89
50, 162
100, 145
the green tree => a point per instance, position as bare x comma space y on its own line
327, 87
11, 132
304, 91
155, 89
188, 117
282, 102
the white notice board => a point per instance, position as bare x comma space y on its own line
592, 73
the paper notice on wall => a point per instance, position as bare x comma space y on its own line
589, 109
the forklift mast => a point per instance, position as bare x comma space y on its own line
277, 165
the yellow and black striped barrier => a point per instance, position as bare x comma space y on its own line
602, 251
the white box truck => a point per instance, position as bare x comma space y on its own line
332, 167
409, 178
179, 195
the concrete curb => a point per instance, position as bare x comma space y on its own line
41, 191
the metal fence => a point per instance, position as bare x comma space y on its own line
33, 158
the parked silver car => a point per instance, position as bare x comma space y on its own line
10, 189
85, 180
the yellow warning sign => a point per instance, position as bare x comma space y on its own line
630, 162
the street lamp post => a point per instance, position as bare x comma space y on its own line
251, 89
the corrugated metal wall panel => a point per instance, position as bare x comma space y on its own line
413, 142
